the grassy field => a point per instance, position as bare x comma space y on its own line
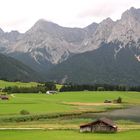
58, 86
65, 127
4, 84
65, 102
66, 135
19, 84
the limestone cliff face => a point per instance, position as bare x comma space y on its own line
51, 43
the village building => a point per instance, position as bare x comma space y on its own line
51, 92
100, 125
4, 97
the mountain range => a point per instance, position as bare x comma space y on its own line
106, 52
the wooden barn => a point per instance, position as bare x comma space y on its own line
100, 125
3, 97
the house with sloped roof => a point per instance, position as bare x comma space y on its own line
99, 125
4, 97
51, 92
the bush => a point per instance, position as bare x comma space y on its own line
24, 112
100, 89
16, 89
119, 100
50, 86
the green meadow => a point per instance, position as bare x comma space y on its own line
63, 113
64, 102
66, 135
19, 84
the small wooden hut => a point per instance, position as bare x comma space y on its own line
3, 97
100, 125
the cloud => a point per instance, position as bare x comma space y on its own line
22, 14
102, 9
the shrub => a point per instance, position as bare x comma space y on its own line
119, 100
100, 89
24, 112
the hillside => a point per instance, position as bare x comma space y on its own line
99, 66
11, 69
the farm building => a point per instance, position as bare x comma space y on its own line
100, 125
3, 97
51, 92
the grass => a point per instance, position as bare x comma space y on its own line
34, 103
64, 127
42, 103
19, 84
71, 110
4, 84
58, 86
67, 123
66, 135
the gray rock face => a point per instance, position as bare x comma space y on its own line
47, 41
127, 28
56, 42
101, 34
8, 39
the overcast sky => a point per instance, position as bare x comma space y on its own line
22, 14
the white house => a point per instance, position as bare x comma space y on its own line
51, 92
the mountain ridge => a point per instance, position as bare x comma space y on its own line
98, 67
47, 45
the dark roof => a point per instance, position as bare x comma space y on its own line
104, 120
107, 121
4, 97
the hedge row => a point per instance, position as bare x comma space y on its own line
35, 117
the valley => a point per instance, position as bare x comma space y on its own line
51, 115
64, 83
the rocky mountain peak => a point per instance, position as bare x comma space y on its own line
91, 28
131, 13
102, 32
1, 32
14, 32
44, 26
44, 23
12, 36
107, 21
127, 28
47, 41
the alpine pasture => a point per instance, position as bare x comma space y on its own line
58, 116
